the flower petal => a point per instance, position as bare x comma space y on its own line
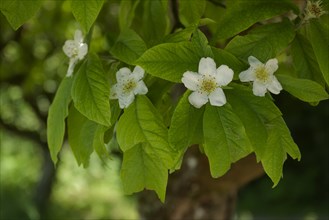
274, 86
271, 66
78, 36
69, 47
83, 50
254, 62
207, 66
114, 92
224, 75
123, 74
126, 100
259, 89
217, 97
191, 80
198, 99
140, 88
70, 70
138, 73
247, 75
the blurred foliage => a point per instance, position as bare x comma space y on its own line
92, 193
20, 169
78, 193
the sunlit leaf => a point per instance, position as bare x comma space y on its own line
255, 112
223, 57
304, 89
170, 60
225, 138
81, 134
186, 125
90, 91
58, 111
86, 12
190, 11
141, 123
141, 168
18, 12
279, 143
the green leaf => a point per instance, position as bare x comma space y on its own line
91, 92
304, 60
319, 39
279, 143
58, 111
129, 132
98, 142
186, 125
18, 12
303, 89
153, 23
223, 57
141, 168
81, 135
225, 138
180, 35
190, 11
127, 13
264, 42
244, 14
255, 112
86, 12
128, 47
141, 123
169, 61
200, 42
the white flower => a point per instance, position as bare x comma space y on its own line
262, 76
313, 10
76, 50
128, 85
206, 84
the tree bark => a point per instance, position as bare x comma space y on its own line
193, 194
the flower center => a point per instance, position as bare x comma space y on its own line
208, 84
74, 52
316, 10
129, 86
262, 74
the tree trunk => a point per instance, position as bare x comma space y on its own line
193, 194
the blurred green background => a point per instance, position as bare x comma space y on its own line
32, 65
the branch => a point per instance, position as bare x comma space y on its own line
33, 136
33, 104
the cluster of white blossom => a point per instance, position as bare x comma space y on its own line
206, 84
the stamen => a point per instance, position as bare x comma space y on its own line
262, 74
208, 84
129, 86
